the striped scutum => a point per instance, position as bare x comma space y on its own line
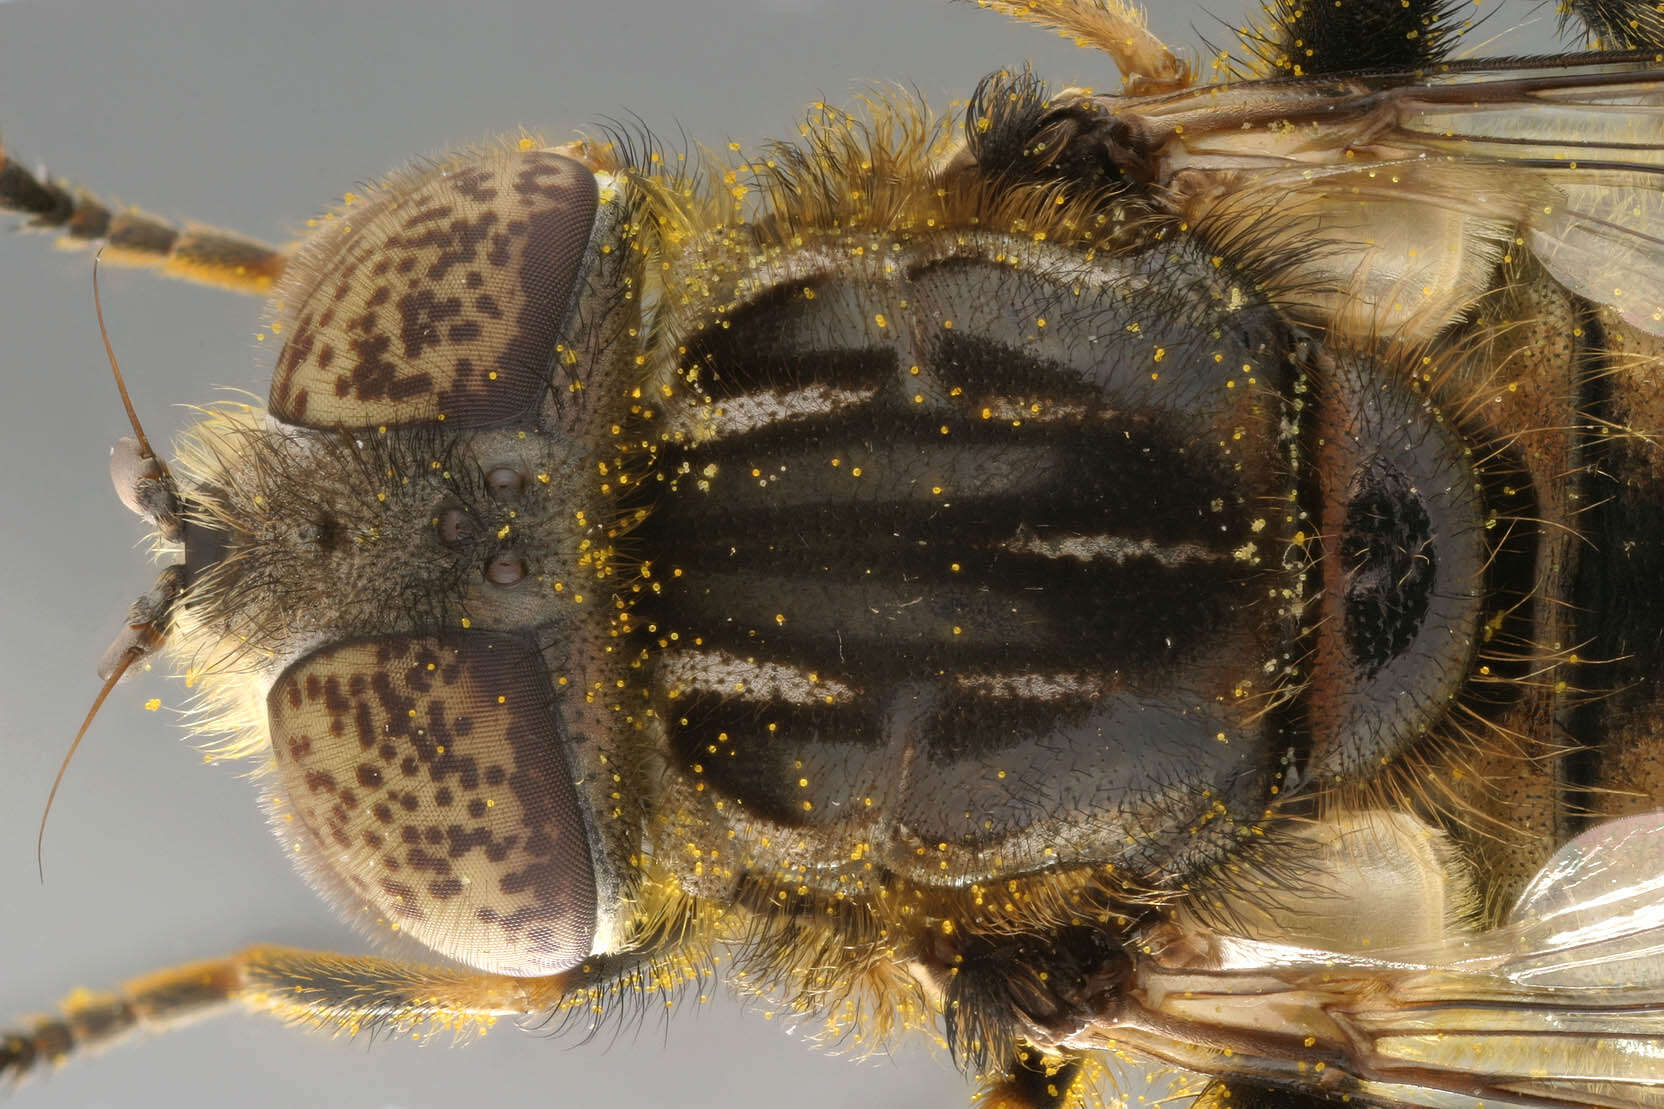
972, 560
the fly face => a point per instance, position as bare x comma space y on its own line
1085, 575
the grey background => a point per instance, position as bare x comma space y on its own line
255, 119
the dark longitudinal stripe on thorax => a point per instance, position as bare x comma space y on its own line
982, 367
909, 550
1130, 477
890, 531
783, 343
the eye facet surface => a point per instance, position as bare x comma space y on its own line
440, 297
429, 781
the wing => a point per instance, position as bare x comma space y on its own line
1563, 1004
1395, 197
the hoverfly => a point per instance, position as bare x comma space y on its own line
1451, 540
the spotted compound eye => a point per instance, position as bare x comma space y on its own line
432, 785
441, 297
505, 483
505, 569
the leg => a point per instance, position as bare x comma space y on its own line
132, 238
1114, 26
338, 993
1618, 24
1300, 38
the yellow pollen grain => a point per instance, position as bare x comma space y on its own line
153, 704
467, 623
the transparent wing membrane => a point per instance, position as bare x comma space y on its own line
1567, 160
1564, 1003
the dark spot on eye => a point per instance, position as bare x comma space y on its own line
504, 482
495, 776
369, 776
476, 808
402, 894
505, 569
442, 798
456, 527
